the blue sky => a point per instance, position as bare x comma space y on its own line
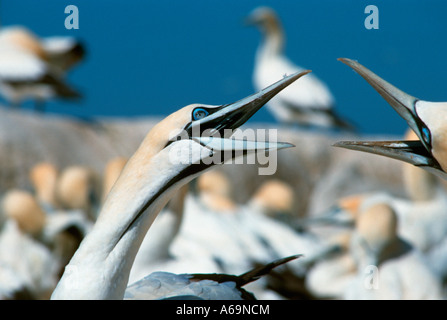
153, 57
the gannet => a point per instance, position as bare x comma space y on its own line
275, 198
64, 223
278, 238
175, 151
61, 52
223, 240
422, 220
310, 102
162, 285
427, 152
388, 266
35, 69
75, 190
155, 252
43, 177
426, 119
214, 191
22, 206
332, 268
22, 255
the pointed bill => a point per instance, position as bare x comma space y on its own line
226, 144
231, 116
413, 152
402, 102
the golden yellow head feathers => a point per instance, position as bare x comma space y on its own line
215, 191
377, 225
43, 177
22, 207
274, 196
74, 188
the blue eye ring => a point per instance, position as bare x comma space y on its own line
426, 135
199, 113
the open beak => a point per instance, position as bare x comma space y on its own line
215, 130
402, 102
226, 144
413, 152
417, 153
229, 117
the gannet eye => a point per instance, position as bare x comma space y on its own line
426, 135
199, 113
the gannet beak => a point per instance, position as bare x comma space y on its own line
243, 146
214, 130
418, 153
402, 102
227, 118
413, 152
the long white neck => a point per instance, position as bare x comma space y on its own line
272, 43
155, 247
100, 267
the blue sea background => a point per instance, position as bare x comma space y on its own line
149, 58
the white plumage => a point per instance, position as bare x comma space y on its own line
163, 285
30, 69
29, 265
309, 102
388, 266
101, 266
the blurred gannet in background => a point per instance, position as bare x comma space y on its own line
276, 199
76, 190
22, 207
65, 225
63, 52
31, 271
166, 160
422, 216
310, 102
341, 214
239, 236
277, 238
43, 177
388, 267
223, 240
332, 268
215, 191
66, 201
34, 68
